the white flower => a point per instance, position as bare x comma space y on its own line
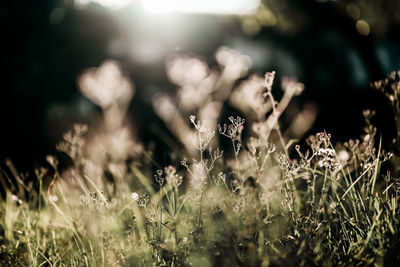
135, 196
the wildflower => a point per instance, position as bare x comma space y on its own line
142, 200
235, 64
248, 97
233, 132
172, 177
106, 85
204, 135
192, 119
368, 114
52, 161
41, 172
159, 178
198, 175
135, 196
184, 162
221, 178
269, 80
325, 152
328, 159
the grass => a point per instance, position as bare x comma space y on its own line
269, 202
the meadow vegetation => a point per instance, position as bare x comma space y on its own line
238, 193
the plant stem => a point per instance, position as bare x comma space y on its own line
234, 151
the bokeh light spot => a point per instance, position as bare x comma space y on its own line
362, 27
353, 11
266, 17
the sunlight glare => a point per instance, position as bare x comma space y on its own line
111, 4
237, 7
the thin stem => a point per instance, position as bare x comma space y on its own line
201, 202
160, 212
278, 130
234, 151
352, 185
200, 146
40, 195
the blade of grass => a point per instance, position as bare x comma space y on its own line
377, 166
358, 179
143, 179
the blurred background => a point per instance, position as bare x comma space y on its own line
336, 48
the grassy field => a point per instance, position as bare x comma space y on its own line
265, 201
